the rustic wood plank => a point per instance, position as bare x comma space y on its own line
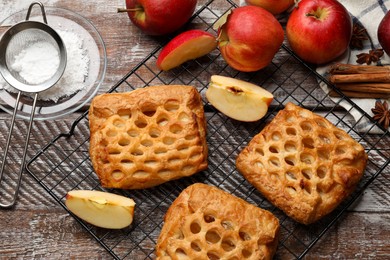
49, 232
46, 233
356, 236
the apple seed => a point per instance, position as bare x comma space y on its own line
234, 89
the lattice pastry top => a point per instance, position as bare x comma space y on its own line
148, 136
205, 222
303, 164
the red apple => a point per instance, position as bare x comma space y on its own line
159, 17
273, 6
186, 46
250, 38
319, 31
384, 33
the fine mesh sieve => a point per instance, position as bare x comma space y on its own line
16, 40
20, 43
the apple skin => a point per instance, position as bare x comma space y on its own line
273, 6
160, 17
384, 33
186, 46
250, 38
319, 31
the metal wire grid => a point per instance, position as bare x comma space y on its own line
64, 164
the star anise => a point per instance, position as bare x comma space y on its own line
382, 113
371, 56
359, 35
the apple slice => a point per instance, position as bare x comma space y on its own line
186, 46
238, 99
102, 209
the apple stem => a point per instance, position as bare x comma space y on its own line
126, 10
319, 13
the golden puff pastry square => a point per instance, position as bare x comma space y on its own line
148, 136
205, 222
303, 164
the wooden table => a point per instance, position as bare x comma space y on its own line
37, 227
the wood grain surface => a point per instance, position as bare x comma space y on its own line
39, 228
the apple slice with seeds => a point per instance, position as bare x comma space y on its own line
186, 46
102, 209
238, 99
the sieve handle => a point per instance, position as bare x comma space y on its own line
42, 10
15, 194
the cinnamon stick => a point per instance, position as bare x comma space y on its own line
365, 87
341, 68
361, 77
361, 81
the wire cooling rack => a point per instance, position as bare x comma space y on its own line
64, 164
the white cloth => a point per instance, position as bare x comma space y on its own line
369, 13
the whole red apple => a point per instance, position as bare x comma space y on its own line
319, 31
159, 17
250, 38
273, 6
384, 33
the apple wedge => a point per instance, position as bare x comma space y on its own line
186, 46
238, 99
102, 209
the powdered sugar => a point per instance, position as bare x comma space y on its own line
73, 79
37, 63
75, 72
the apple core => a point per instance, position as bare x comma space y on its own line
99, 200
222, 38
235, 89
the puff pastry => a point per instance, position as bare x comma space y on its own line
303, 164
146, 137
205, 222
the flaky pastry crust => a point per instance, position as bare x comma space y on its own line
303, 164
148, 136
205, 222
